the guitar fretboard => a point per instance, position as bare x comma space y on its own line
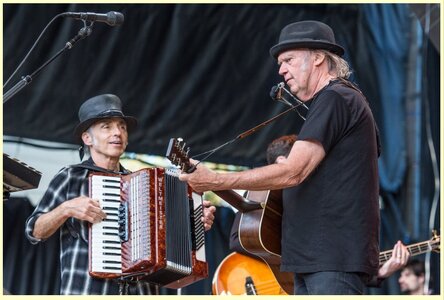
414, 249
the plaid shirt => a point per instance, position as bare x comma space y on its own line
69, 183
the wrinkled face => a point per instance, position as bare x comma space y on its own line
409, 282
107, 138
296, 67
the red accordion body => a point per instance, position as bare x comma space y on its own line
153, 230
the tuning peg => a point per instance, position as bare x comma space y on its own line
179, 142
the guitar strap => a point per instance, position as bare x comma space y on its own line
355, 87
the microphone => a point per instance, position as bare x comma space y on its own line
276, 91
112, 18
276, 94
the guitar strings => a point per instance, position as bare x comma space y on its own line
414, 249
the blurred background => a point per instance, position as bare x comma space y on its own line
203, 72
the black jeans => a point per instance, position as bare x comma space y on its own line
329, 283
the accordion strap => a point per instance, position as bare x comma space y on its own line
89, 165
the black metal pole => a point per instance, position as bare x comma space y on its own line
83, 33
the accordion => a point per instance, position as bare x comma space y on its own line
153, 230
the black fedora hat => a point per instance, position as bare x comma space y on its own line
101, 107
306, 34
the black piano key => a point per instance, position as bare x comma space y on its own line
110, 208
112, 214
110, 253
110, 187
110, 227
110, 200
111, 268
111, 233
110, 194
111, 242
111, 180
109, 220
111, 248
111, 262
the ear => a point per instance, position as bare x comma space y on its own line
319, 58
86, 138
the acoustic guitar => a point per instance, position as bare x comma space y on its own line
260, 223
239, 274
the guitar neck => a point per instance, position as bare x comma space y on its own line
237, 201
414, 249
178, 156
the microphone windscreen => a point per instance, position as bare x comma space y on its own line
274, 92
115, 18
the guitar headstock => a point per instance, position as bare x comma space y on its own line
178, 155
435, 241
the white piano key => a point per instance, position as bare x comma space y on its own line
101, 251
107, 237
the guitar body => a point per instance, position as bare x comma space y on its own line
260, 229
232, 273
260, 233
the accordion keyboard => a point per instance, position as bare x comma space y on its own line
106, 244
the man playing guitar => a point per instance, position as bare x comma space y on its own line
277, 151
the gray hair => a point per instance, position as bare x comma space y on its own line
336, 65
86, 147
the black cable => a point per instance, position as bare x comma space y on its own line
275, 94
243, 134
32, 48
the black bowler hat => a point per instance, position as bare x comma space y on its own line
306, 34
101, 107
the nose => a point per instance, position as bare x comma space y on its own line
117, 130
282, 69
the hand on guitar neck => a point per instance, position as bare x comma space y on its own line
178, 156
399, 258
392, 260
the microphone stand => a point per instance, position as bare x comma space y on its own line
83, 33
243, 134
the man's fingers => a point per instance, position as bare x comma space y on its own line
184, 176
89, 210
193, 161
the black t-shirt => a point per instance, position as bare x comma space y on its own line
331, 220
